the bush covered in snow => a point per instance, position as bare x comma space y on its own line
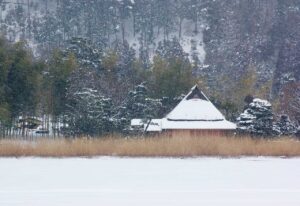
88, 113
284, 126
257, 118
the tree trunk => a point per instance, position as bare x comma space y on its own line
180, 27
23, 127
28, 19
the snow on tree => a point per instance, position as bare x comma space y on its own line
284, 126
88, 112
257, 118
86, 53
170, 50
136, 103
290, 100
297, 134
137, 106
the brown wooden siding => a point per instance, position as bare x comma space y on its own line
199, 132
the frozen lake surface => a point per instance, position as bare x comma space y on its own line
149, 181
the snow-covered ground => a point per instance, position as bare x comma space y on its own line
149, 181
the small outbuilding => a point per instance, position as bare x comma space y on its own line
194, 115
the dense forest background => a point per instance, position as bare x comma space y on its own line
95, 64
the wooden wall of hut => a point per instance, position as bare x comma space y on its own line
199, 132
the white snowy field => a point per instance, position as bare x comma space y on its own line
149, 181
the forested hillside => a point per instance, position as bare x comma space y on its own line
95, 64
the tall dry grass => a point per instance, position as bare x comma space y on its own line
151, 147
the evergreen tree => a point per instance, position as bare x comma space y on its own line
87, 55
56, 83
4, 106
138, 106
136, 102
88, 113
22, 81
171, 50
19, 83
257, 119
47, 33
170, 79
284, 126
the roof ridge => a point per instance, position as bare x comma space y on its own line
195, 110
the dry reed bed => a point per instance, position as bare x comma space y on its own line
151, 147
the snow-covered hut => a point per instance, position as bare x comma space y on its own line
194, 115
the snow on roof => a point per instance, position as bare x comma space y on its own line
195, 106
195, 111
154, 126
222, 124
136, 122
